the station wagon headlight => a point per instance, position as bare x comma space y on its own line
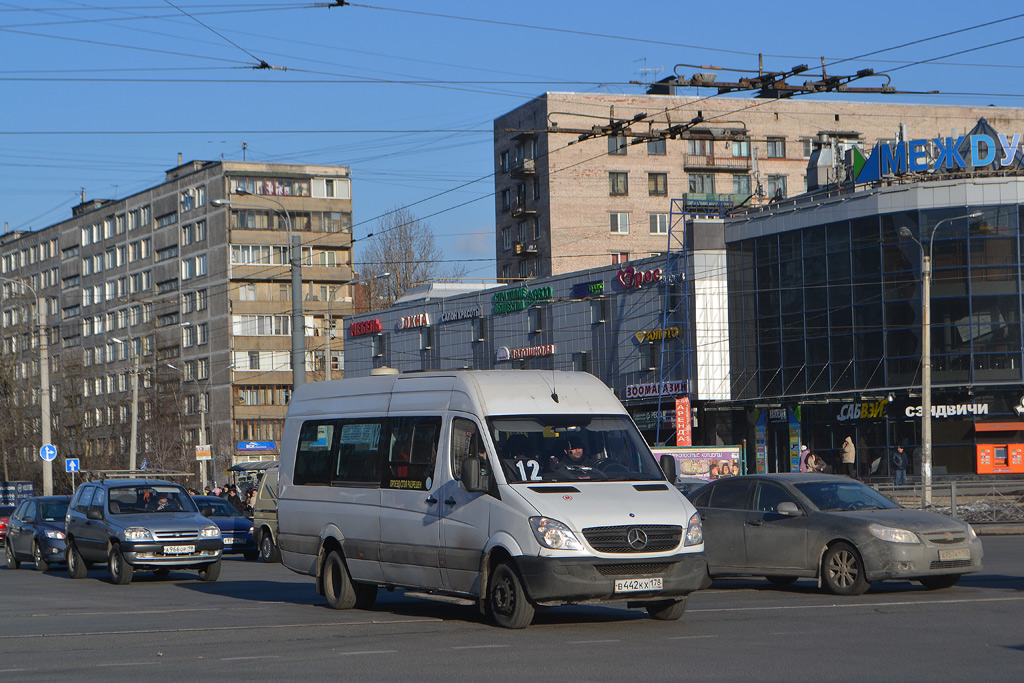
138, 533
892, 534
209, 532
53, 533
694, 531
553, 534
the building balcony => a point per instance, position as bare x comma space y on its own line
709, 162
523, 168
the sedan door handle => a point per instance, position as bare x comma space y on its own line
754, 522
449, 501
431, 501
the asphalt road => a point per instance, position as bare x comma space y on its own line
262, 622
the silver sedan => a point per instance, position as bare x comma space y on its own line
834, 529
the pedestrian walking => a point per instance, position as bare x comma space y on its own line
849, 452
899, 460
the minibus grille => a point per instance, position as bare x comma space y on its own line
634, 569
646, 538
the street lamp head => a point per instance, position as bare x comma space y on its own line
976, 214
905, 233
220, 202
171, 367
242, 191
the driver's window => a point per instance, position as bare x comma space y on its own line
465, 442
769, 495
99, 500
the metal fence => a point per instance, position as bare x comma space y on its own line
971, 501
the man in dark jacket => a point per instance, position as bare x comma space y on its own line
899, 460
235, 500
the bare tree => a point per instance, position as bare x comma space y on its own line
404, 246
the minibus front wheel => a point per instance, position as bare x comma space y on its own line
506, 598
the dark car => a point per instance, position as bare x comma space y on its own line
36, 532
235, 528
139, 525
5, 516
835, 529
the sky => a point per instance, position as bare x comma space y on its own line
104, 95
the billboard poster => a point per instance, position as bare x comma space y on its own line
703, 462
684, 426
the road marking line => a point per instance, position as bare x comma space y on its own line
125, 664
864, 605
690, 637
475, 647
367, 652
590, 642
235, 659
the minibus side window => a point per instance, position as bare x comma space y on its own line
313, 456
413, 453
358, 457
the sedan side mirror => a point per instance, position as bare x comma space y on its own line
789, 509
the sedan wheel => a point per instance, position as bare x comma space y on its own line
842, 571
42, 564
12, 561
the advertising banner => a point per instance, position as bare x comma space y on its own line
703, 462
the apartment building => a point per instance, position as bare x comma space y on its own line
188, 281
584, 180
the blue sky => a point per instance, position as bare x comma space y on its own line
104, 95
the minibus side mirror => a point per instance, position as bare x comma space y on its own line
472, 476
668, 466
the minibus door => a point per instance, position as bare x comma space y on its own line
465, 525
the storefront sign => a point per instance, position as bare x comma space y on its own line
630, 278
586, 290
868, 410
958, 410
912, 156
657, 335
409, 322
461, 314
655, 389
505, 353
512, 300
704, 462
649, 419
684, 428
364, 327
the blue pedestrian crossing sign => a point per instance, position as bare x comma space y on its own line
48, 452
71, 465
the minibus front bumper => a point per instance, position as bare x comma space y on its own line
585, 579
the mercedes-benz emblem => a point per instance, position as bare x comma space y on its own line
636, 538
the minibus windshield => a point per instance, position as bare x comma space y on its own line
572, 448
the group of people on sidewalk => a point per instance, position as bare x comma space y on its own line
899, 459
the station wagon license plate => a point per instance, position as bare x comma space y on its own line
955, 554
179, 549
637, 585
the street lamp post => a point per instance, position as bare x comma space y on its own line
926, 352
133, 447
204, 407
298, 357
44, 381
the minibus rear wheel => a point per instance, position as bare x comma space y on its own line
338, 587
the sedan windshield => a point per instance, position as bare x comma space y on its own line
572, 448
844, 495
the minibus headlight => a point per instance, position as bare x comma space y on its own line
694, 531
553, 534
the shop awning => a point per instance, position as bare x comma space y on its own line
998, 426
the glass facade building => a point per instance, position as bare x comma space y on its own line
826, 326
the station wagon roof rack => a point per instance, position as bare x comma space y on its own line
100, 475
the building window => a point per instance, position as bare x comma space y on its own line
699, 147
503, 160
776, 186
656, 148
579, 361
659, 223
620, 257
741, 148
657, 184
620, 223
247, 292
702, 182
741, 184
536, 318
506, 200
617, 144
807, 147
506, 238
618, 183
506, 272
598, 311
776, 148
536, 189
